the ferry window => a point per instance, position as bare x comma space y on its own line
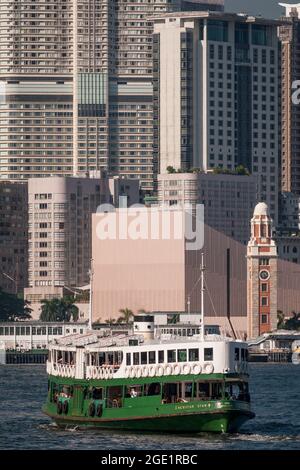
216, 390
1, 330
237, 391
11, 331
50, 331
136, 359
172, 355
161, 357
170, 393
243, 354
27, 330
181, 355
193, 354
114, 396
143, 358
97, 393
152, 389
208, 354
188, 389
151, 358
133, 391
128, 359
59, 330
101, 357
203, 391
110, 358
237, 354
34, 330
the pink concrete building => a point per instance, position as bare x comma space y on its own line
163, 274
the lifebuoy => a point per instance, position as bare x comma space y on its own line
152, 371
65, 407
59, 408
132, 372
99, 410
92, 409
197, 369
145, 371
168, 369
127, 372
159, 370
138, 372
186, 369
209, 368
94, 373
176, 369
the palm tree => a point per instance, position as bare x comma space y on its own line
110, 321
127, 314
59, 310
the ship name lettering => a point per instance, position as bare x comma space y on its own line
187, 407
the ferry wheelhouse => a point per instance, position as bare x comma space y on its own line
143, 381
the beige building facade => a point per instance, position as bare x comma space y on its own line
60, 231
228, 200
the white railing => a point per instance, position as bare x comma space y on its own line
62, 370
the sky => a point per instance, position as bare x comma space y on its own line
266, 8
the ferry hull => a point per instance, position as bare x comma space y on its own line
218, 422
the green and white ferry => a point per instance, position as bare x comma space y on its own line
141, 382
149, 381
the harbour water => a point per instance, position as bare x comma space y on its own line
275, 391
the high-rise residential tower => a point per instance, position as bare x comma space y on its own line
216, 88
76, 86
289, 34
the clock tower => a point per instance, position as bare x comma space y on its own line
261, 275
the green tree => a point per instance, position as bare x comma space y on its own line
126, 316
110, 321
59, 310
13, 308
241, 170
171, 169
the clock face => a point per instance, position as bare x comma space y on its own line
264, 275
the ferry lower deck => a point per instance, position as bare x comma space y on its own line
178, 404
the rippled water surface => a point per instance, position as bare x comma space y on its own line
275, 396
